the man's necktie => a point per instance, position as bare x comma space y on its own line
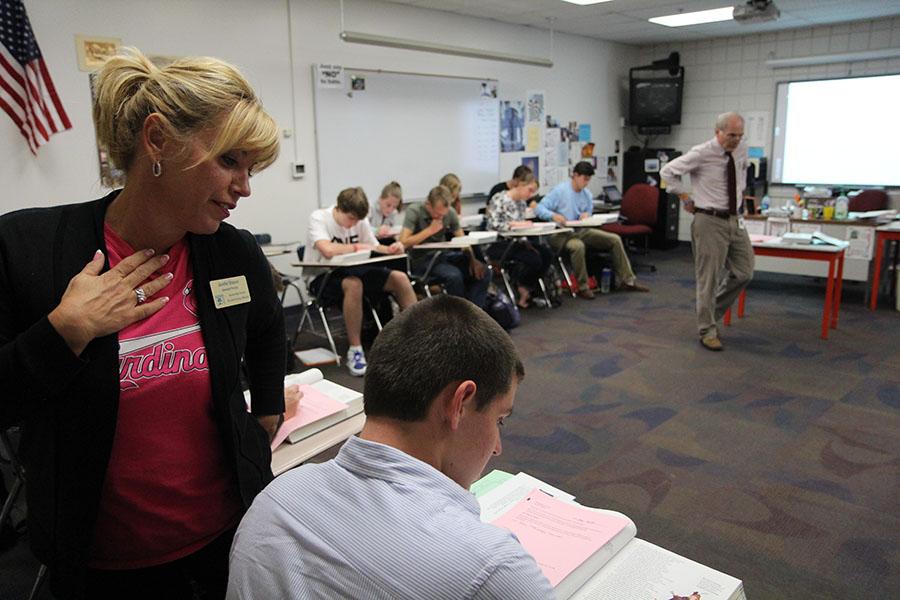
732, 185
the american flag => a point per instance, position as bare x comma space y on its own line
27, 93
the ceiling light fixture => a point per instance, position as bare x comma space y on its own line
585, 2
358, 37
695, 18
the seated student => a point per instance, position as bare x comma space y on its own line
341, 229
507, 208
517, 178
571, 201
390, 516
383, 216
452, 183
431, 221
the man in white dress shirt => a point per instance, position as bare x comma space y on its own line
718, 172
391, 516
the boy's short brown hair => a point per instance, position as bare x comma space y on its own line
353, 201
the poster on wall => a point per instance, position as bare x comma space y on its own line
532, 138
532, 163
512, 120
612, 170
93, 51
756, 129
535, 107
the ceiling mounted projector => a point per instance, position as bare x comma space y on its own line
756, 11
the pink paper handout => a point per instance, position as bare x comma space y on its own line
559, 535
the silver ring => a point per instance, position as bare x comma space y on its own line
141, 296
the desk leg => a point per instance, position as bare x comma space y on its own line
879, 255
835, 311
829, 298
742, 300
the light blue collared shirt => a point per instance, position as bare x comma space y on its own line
375, 523
566, 201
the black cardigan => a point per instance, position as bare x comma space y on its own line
68, 405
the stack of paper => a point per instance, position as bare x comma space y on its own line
536, 225
315, 357
588, 553
474, 238
595, 220
340, 259
324, 403
791, 237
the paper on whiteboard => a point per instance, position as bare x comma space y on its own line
329, 76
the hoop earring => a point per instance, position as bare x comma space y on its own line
157, 168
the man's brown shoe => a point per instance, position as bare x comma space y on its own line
635, 287
586, 293
712, 343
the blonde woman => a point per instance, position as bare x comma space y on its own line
452, 183
123, 325
383, 217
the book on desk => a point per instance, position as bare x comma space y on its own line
323, 405
590, 553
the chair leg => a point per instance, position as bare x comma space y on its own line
375, 315
38, 582
507, 284
565, 271
544, 293
337, 357
18, 473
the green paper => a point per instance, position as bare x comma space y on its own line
490, 481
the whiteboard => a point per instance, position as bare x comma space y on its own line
407, 127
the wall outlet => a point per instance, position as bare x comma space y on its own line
298, 170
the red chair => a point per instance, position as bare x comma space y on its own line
638, 214
868, 200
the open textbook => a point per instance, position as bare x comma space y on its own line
324, 404
590, 553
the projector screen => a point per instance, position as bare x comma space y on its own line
837, 132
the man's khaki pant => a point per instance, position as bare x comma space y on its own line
587, 237
723, 266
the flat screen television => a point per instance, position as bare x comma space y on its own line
655, 97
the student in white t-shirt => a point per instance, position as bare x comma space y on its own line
341, 229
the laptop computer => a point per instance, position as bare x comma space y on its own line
611, 194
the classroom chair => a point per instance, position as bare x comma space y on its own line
637, 219
868, 200
312, 302
9, 456
507, 266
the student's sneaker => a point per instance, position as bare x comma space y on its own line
356, 362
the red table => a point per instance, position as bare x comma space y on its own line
834, 255
882, 234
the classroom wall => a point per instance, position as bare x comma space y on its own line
724, 74
587, 83
730, 73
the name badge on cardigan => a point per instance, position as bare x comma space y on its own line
230, 291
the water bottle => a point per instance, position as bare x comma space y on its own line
841, 206
765, 204
605, 280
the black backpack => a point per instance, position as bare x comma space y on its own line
503, 310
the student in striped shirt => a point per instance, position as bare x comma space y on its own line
391, 516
